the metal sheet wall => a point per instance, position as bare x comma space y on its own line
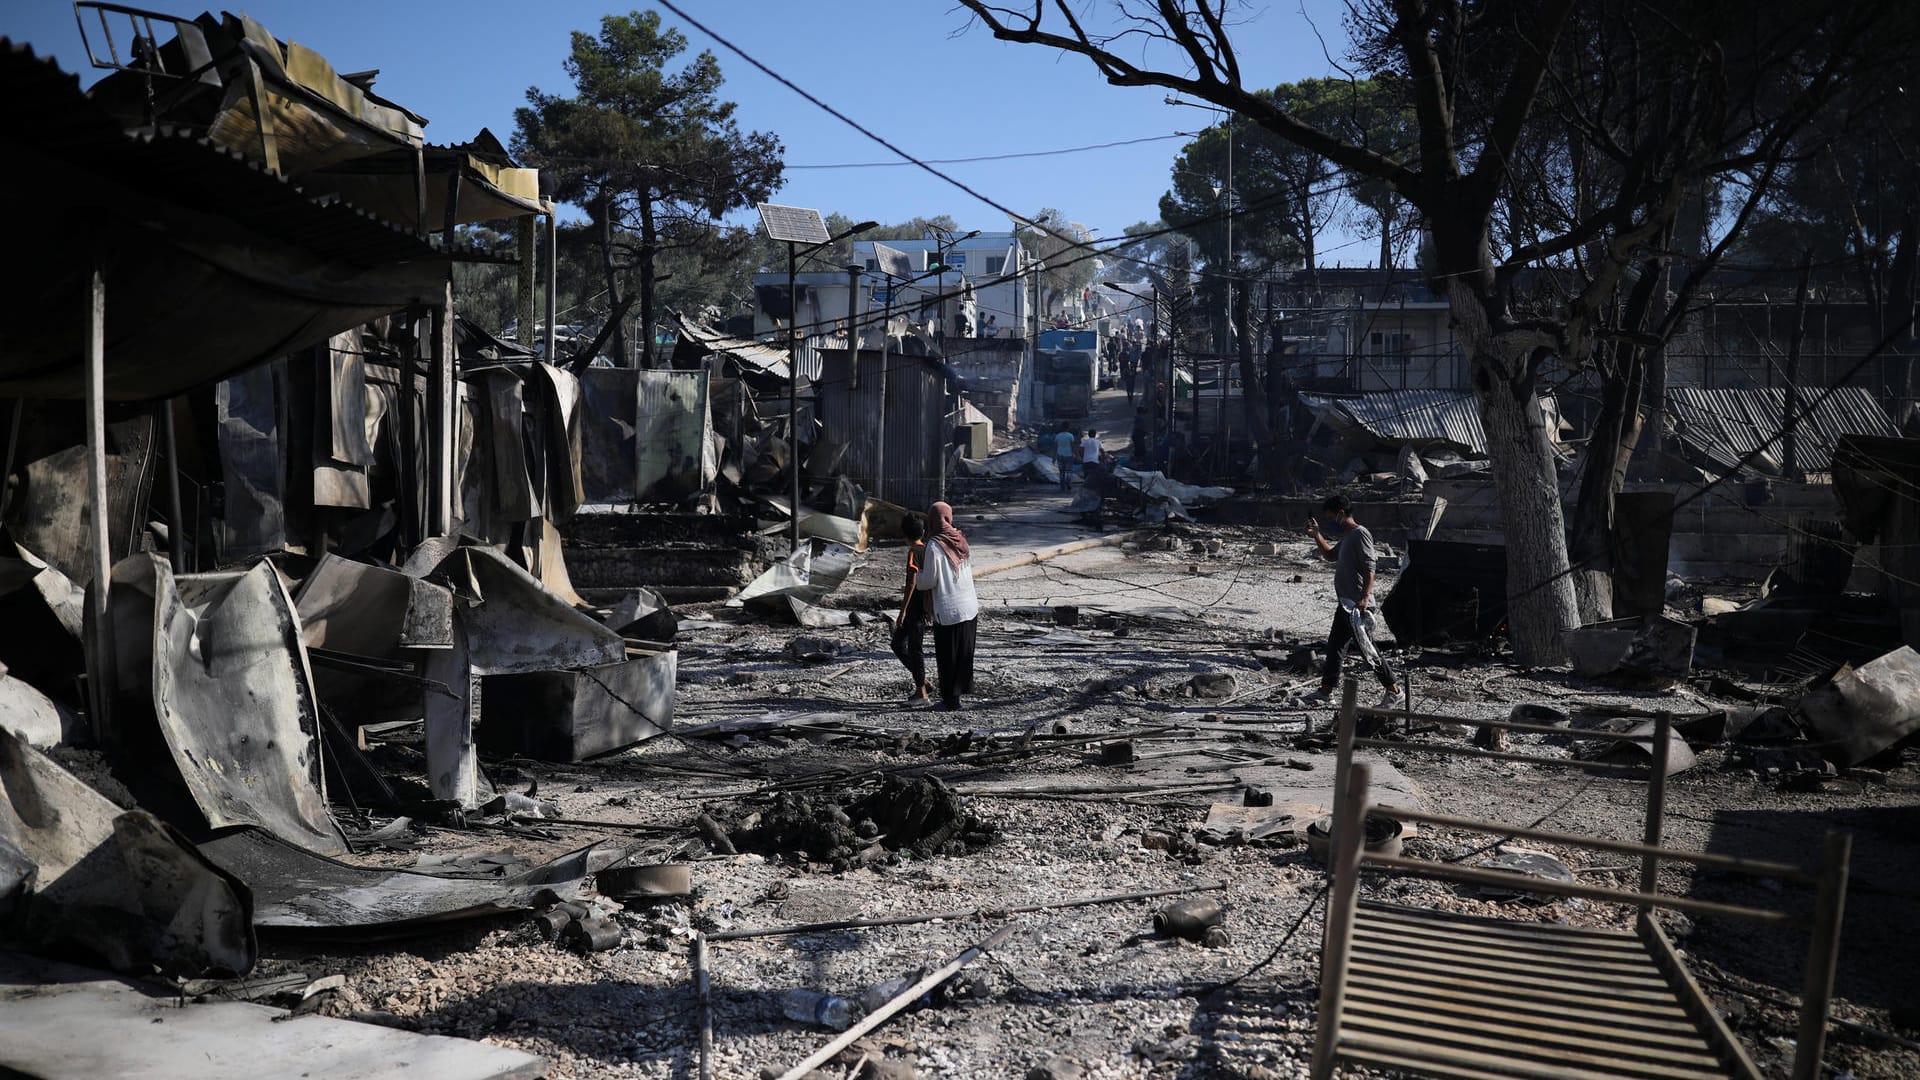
916, 423
673, 431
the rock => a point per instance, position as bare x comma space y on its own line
1057, 1068
1213, 685
1714, 605
1266, 549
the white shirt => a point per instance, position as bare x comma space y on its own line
953, 597
1090, 450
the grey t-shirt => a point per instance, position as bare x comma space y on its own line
1353, 559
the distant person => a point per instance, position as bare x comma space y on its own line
961, 328
1063, 455
948, 580
1090, 448
1353, 558
910, 629
992, 326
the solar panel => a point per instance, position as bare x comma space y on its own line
892, 262
793, 224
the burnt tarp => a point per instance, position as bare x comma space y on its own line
1863, 711
295, 889
1448, 592
217, 661
253, 461
514, 623
81, 877
674, 449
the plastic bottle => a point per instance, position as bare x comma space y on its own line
814, 1007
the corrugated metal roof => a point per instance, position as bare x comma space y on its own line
763, 358
1727, 425
1421, 417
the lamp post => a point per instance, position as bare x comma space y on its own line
776, 225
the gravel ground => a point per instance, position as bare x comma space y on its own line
1091, 984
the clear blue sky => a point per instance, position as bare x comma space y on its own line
911, 70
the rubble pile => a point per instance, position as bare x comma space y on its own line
844, 829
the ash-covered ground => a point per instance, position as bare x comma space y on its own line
1197, 652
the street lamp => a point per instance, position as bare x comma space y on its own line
795, 225
943, 242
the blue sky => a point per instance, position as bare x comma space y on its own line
911, 70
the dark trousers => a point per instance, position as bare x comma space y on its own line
1339, 638
953, 650
908, 635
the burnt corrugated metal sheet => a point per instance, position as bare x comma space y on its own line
1727, 425
916, 426
673, 436
1419, 417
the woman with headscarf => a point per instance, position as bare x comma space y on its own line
911, 626
948, 579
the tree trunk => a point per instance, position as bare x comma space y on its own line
1386, 236
1591, 541
1540, 598
602, 211
1254, 398
649, 238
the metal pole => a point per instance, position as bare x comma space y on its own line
523, 282
1227, 308
793, 392
440, 395
853, 336
101, 662
176, 550
886, 345
553, 278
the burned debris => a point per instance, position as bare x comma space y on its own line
394, 678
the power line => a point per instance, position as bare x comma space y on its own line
991, 157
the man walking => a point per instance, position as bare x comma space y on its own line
1063, 455
1353, 558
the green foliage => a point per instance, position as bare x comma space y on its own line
650, 152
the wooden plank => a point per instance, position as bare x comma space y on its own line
1823, 953
1505, 725
1561, 1063
1595, 1037
1735, 864
1336, 942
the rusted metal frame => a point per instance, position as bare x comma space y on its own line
1656, 804
1822, 955
1500, 1034
1413, 919
1731, 863
1495, 755
1344, 843
1706, 1018
1493, 959
100, 654
441, 390
1423, 1052
1476, 876
703, 991
1500, 951
1571, 1008
1343, 758
1507, 725
1385, 1060
1508, 984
